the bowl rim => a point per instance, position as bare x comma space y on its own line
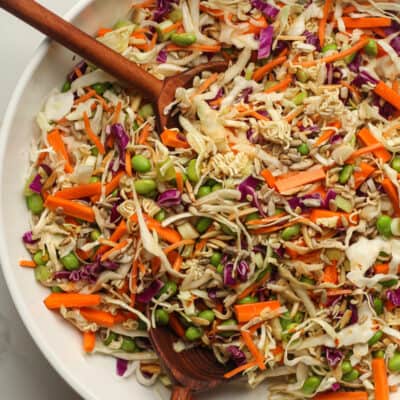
11, 283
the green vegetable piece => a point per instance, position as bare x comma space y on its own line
40, 258
302, 76
141, 163
211, 182
164, 36
371, 48
193, 333
290, 232
183, 39
298, 318
378, 305
376, 338
101, 87
56, 289
394, 363
350, 58
216, 187
66, 87
95, 234
166, 170
248, 74
146, 111
227, 323
303, 149
160, 216
252, 216
94, 151
216, 259
396, 164
227, 230
145, 186
94, 179
343, 204
389, 283
162, 317
203, 224
170, 288
383, 224
351, 376
142, 325
300, 97
220, 269
334, 254
112, 336
121, 24
175, 15
285, 320
311, 384
129, 345
346, 367
203, 191
269, 84
42, 273
70, 262
345, 174
248, 300
329, 47
35, 203
379, 354
306, 279
191, 171
208, 315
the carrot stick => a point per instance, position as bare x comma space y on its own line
338, 292
253, 349
259, 73
364, 150
79, 191
78, 300
144, 134
239, 369
388, 94
194, 47
380, 379
265, 220
89, 341
27, 264
110, 186
391, 191
274, 228
361, 176
369, 139
252, 288
322, 24
300, 179
71, 208
326, 135
128, 164
171, 139
55, 141
366, 23
120, 231
213, 12
282, 85
172, 27
92, 136
176, 325
246, 312
117, 112
103, 31
268, 177
91, 93
206, 84
116, 248
349, 10
334, 57
174, 246
177, 264
101, 318
330, 274
317, 214
381, 268
179, 181
342, 396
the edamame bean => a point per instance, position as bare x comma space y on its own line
311, 384
40, 258
329, 47
346, 367
375, 338
146, 111
66, 87
140, 163
303, 149
169, 288
252, 216
94, 151
389, 283
302, 76
248, 300
378, 306
345, 174
110, 338
129, 345
290, 232
42, 273
208, 315
192, 171
351, 376
220, 269
394, 363
371, 48
383, 224
216, 259
145, 186
396, 164
203, 224
94, 235
162, 317
183, 39
101, 87
299, 98
211, 182
193, 333
70, 262
35, 203
216, 187
160, 216
203, 191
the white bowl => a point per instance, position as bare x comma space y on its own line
92, 376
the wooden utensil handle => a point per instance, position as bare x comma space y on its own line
84, 45
181, 393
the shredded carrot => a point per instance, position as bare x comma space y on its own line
265, 220
381, 268
330, 274
155, 265
102, 101
342, 396
369, 139
322, 24
326, 135
55, 141
246, 312
339, 56
91, 93
110, 186
101, 318
379, 32
282, 85
213, 12
391, 191
171, 138
366, 23
117, 112
300, 179
71, 208
89, 341
268, 177
239, 369
84, 255
364, 150
128, 165
206, 84
259, 73
317, 214
338, 292
103, 31
275, 228
194, 47
145, 4
380, 379
256, 25
388, 94
172, 27
79, 191
253, 349
361, 176
134, 276
92, 136
352, 89
349, 10
27, 263
176, 325
177, 263
115, 249
120, 231
70, 300
144, 134
179, 180
174, 246
200, 246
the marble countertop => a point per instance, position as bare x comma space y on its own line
24, 372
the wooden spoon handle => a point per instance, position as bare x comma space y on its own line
181, 393
84, 45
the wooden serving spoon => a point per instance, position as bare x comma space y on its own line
161, 93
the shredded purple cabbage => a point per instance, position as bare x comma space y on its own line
46, 169
245, 94
333, 356
229, 280
395, 43
393, 296
385, 109
330, 195
27, 238
295, 202
333, 74
162, 9
236, 355
242, 270
266, 38
169, 198
212, 293
162, 57
150, 292
36, 184
354, 314
122, 139
355, 65
248, 188
81, 66
312, 38
121, 366
268, 10
335, 387
364, 78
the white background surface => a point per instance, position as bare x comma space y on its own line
24, 373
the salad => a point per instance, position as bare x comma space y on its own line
265, 227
